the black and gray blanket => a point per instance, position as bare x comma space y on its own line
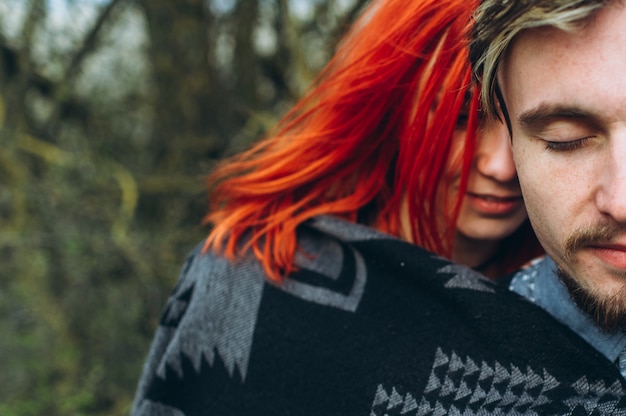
369, 326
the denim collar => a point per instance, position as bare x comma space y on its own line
540, 284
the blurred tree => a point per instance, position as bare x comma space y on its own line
111, 113
185, 92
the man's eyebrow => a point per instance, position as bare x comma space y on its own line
542, 115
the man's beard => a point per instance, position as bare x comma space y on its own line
608, 311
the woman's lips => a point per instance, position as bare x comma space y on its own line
493, 204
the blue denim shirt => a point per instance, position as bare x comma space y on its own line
540, 284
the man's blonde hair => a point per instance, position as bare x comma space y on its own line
498, 22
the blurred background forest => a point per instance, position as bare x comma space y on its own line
111, 114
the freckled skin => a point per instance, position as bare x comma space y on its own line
566, 96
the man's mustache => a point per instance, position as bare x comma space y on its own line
591, 236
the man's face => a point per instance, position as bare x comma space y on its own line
566, 97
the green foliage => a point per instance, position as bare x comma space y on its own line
105, 144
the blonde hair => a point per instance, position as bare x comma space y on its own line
498, 22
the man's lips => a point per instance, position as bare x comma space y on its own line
612, 254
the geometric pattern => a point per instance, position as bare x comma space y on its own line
212, 315
465, 278
459, 386
333, 271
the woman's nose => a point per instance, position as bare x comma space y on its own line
493, 156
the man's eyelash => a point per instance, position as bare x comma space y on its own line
566, 146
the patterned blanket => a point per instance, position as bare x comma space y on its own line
370, 326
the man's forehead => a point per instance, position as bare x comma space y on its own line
549, 67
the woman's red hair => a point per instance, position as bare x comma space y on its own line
370, 139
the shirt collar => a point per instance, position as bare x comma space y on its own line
540, 284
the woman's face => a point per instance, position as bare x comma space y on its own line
492, 208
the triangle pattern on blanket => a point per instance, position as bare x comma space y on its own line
461, 386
